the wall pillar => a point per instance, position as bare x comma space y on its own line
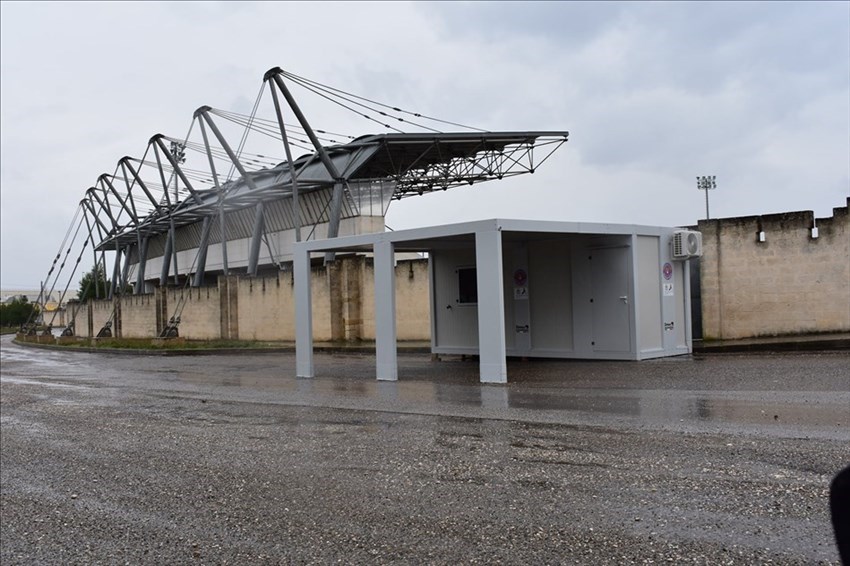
116, 319
334, 278
161, 309
90, 321
228, 293
352, 298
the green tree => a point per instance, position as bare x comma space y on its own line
17, 312
94, 284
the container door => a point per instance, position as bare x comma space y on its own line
610, 299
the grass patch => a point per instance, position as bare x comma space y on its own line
169, 344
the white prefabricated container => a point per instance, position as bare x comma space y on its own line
527, 288
598, 292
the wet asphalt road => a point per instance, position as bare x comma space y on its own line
722, 459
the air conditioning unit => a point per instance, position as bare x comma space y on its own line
686, 244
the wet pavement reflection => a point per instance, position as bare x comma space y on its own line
790, 394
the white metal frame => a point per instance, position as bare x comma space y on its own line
488, 253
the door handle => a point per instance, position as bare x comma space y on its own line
625, 299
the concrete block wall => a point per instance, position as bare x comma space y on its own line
266, 306
351, 297
789, 283
80, 314
322, 312
413, 300
345, 285
100, 312
263, 308
138, 316
200, 312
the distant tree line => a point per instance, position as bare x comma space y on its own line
17, 312
94, 284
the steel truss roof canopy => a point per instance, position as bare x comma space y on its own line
411, 164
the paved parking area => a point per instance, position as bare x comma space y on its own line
716, 459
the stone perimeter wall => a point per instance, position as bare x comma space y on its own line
263, 308
790, 283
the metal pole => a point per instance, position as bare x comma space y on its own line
202, 113
323, 155
93, 251
706, 183
295, 205
256, 236
174, 251
40, 302
336, 199
222, 230
116, 272
201, 265
166, 260
143, 260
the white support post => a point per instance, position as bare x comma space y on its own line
303, 314
491, 307
385, 326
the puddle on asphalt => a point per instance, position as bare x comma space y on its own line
39, 383
424, 391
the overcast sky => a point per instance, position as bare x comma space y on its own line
653, 94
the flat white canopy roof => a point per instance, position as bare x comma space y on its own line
428, 237
487, 237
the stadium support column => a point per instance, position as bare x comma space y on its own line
256, 239
116, 273
125, 271
220, 191
295, 205
491, 307
223, 229
166, 258
202, 114
201, 264
336, 200
174, 253
385, 324
143, 260
303, 313
335, 213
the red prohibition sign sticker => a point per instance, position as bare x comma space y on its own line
520, 277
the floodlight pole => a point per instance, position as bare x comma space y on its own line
178, 156
706, 183
178, 152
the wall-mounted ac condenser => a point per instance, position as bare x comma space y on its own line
686, 244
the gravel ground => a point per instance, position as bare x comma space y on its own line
144, 460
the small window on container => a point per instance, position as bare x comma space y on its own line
467, 286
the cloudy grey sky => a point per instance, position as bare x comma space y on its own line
653, 95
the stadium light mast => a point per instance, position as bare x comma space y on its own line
178, 151
706, 183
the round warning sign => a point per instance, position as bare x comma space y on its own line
520, 277
667, 270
